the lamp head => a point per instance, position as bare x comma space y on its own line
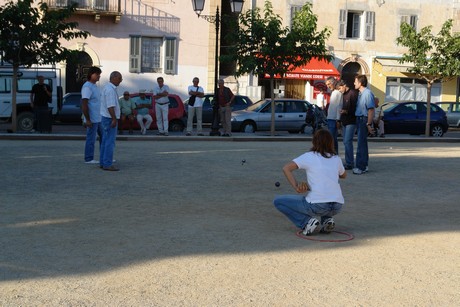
236, 6
198, 6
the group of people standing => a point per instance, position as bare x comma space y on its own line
352, 108
104, 113
225, 99
142, 104
101, 112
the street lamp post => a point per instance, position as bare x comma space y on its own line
198, 6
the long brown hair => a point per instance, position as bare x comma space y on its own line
323, 143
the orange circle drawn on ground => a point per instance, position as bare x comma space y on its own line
348, 238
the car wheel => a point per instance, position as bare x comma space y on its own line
176, 126
248, 127
436, 130
25, 121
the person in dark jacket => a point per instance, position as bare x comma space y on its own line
348, 120
225, 97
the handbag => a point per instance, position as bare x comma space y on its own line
191, 100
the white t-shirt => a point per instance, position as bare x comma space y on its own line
335, 105
322, 177
198, 100
91, 92
320, 100
109, 98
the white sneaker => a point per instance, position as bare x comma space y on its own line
143, 131
92, 162
328, 226
357, 171
311, 226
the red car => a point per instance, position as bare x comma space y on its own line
176, 115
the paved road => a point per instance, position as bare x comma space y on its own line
77, 132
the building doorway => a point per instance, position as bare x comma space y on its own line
350, 71
76, 71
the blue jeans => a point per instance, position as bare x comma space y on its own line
109, 135
332, 126
348, 134
91, 133
362, 152
299, 211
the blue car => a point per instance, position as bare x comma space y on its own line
409, 117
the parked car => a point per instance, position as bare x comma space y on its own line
70, 111
239, 103
177, 116
410, 117
290, 115
452, 110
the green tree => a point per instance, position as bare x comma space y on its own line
32, 34
435, 58
264, 46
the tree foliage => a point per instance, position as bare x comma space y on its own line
32, 34
434, 57
264, 46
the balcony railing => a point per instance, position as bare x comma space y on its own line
91, 7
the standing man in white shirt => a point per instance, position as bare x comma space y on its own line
320, 100
161, 92
333, 113
110, 114
91, 109
196, 108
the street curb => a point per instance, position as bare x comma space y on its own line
257, 138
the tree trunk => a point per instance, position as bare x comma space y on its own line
14, 90
272, 103
428, 108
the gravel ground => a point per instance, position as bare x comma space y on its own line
189, 224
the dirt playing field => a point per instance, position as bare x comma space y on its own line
189, 224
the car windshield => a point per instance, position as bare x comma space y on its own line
256, 107
388, 106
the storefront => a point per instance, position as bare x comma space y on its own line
304, 82
391, 81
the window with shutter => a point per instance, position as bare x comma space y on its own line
149, 54
170, 56
294, 10
370, 26
343, 24
411, 20
135, 54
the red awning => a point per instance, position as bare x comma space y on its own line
313, 70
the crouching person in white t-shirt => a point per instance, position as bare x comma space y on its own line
324, 198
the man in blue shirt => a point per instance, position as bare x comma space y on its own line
142, 105
364, 117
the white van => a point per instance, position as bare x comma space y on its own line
27, 77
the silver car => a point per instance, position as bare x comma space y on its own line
452, 110
290, 115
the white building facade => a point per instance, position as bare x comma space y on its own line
151, 38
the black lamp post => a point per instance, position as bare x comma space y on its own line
198, 6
